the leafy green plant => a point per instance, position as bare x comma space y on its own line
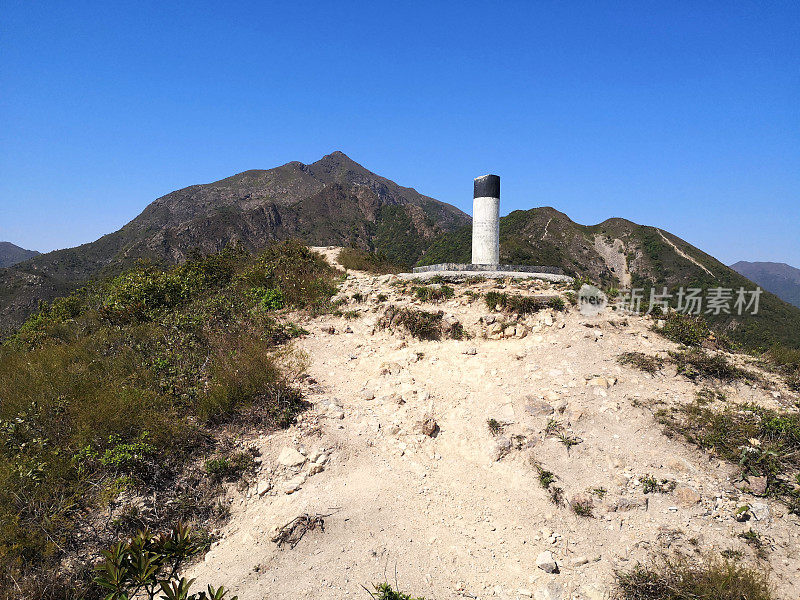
149, 564
651, 485
268, 298
384, 591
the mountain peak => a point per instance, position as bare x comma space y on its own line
11, 254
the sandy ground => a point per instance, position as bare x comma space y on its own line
460, 515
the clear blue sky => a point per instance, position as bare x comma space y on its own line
683, 115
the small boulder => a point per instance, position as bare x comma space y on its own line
263, 487
758, 485
289, 457
546, 562
685, 496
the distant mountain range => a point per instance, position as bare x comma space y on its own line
336, 201
779, 278
11, 254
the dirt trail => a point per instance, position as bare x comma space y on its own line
682, 253
462, 515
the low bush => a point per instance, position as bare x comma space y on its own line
421, 324
229, 467
684, 329
696, 364
785, 361
678, 578
642, 361
356, 259
430, 293
148, 565
521, 304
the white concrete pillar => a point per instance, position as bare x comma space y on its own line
486, 221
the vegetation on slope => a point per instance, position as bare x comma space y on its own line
655, 259
679, 578
109, 395
356, 259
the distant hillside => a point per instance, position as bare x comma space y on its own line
779, 278
622, 254
10, 254
334, 201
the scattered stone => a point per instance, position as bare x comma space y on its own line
624, 504
758, 485
495, 331
471, 351
292, 485
598, 382
685, 496
546, 562
761, 512
263, 487
429, 427
289, 457
367, 394
537, 408
594, 591
391, 368
553, 590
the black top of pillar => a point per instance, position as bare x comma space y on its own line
487, 186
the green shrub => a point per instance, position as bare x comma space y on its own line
355, 259
268, 299
229, 468
684, 329
679, 578
697, 364
785, 361
643, 362
427, 293
520, 304
421, 324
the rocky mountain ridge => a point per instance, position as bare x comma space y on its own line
331, 201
